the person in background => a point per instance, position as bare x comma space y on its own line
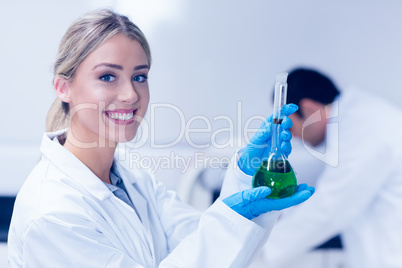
359, 191
81, 208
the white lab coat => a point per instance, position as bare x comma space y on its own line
306, 166
359, 196
64, 216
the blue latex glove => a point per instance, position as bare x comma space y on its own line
252, 203
259, 146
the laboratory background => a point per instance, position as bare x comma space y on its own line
212, 75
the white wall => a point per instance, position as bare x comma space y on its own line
31, 32
210, 58
215, 53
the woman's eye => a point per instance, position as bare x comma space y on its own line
107, 78
140, 78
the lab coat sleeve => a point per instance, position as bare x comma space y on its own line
223, 239
236, 181
178, 218
343, 193
221, 236
70, 241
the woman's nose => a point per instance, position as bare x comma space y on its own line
128, 94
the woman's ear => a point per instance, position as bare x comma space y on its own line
61, 86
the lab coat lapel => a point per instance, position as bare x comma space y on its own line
129, 230
72, 166
138, 201
133, 235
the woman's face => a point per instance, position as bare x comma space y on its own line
109, 95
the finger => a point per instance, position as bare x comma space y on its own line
279, 204
269, 119
286, 148
257, 193
301, 187
262, 135
299, 197
311, 189
304, 186
289, 109
287, 123
286, 135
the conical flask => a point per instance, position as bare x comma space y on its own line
276, 172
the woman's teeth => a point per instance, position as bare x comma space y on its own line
121, 116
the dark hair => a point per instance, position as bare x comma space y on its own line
310, 84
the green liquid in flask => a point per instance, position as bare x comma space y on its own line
277, 175
276, 172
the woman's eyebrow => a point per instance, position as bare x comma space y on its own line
139, 67
119, 67
111, 65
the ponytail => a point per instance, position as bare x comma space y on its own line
57, 117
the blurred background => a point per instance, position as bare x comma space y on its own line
213, 70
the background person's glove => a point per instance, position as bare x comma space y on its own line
259, 146
252, 203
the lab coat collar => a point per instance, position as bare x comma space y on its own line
70, 165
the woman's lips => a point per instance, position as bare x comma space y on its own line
121, 117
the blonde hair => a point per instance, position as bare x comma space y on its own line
84, 36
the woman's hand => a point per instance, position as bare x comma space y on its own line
259, 146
